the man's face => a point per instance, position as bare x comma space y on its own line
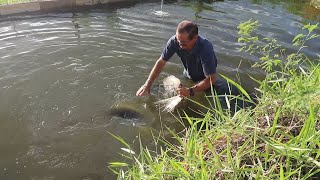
184, 41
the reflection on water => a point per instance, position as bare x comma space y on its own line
67, 80
309, 9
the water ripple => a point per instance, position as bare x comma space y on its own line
58, 70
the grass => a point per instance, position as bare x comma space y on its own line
2, 2
277, 139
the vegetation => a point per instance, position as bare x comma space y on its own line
277, 139
14, 1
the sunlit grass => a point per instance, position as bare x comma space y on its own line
2, 2
237, 149
277, 139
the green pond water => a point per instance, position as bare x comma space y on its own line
62, 74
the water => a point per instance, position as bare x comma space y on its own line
61, 75
161, 13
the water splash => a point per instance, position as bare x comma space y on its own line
171, 84
161, 12
170, 103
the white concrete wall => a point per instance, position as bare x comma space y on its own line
19, 8
46, 5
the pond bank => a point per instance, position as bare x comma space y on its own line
55, 5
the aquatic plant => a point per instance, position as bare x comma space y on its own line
277, 139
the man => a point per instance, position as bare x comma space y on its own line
197, 56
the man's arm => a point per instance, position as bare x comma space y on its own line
209, 64
205, 84
199, 87
157, 68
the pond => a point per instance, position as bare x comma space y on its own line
62, 74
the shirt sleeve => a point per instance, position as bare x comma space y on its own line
169, 49
208, 60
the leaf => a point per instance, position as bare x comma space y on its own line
122, 174
281, 172
302, 70
277, 62
188, 118
227, 101
239, 87
311, 27
247, 27
177, 166
120, 139
139, 164
117, 164
313, 36
297, 37
128, 150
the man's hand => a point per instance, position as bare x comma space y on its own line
144, 90
183, 91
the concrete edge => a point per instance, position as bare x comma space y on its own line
54, 5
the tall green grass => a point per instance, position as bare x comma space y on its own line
277, 139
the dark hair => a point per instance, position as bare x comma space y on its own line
188, 27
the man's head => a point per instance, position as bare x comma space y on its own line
187, 34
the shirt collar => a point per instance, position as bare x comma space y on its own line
195, 49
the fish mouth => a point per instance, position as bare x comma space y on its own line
131, 113
125, 113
